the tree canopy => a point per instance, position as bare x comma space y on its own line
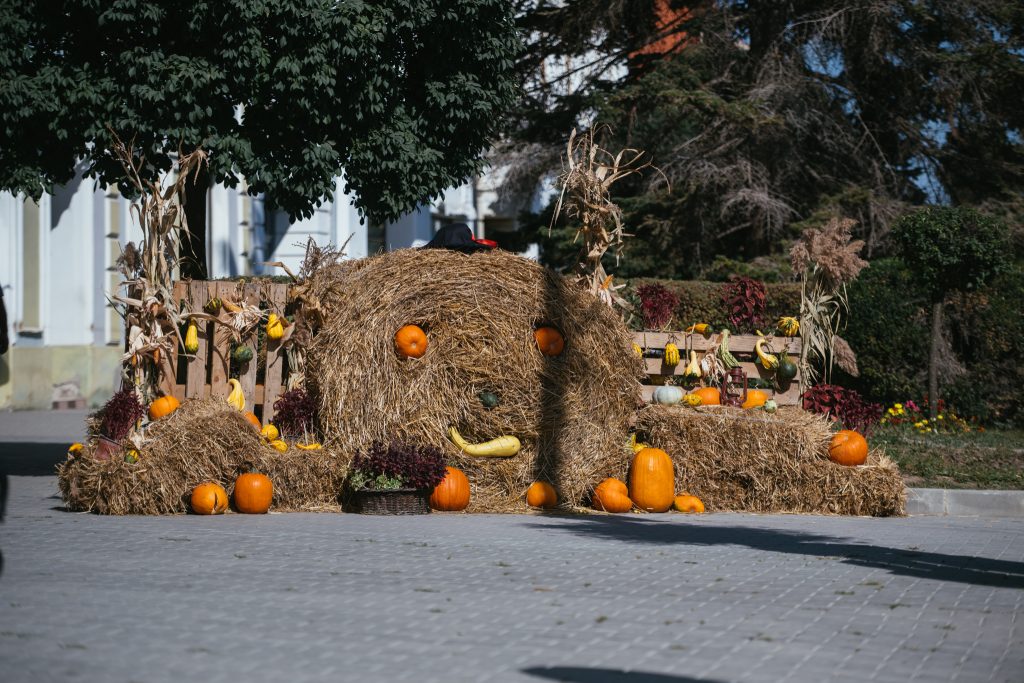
401, 96
766, 117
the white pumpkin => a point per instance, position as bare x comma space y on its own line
668, 395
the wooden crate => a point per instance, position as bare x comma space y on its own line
206, 373
740, 345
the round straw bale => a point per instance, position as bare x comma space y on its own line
571, 412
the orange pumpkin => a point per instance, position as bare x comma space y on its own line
209, 499
452, 494
652, 480
251, 417
411, 342
848, 448
755, 398
709, 396
165, 405
549, 340
611, 495
541, 495
253, 493
687, 503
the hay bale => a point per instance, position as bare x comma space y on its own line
572, 413
203, 440
753, 462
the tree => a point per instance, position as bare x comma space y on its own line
771, 117
947, 250
399, 95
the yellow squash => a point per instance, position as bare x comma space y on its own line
502, 447
270, 432
308, 446
279, 445
671, 355
191, 338
275, 328
236, 397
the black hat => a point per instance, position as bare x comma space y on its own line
459, 237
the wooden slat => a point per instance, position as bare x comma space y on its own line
221, 351
247, 378
738, 343
656, 366
195, 381
169, 361
272, 378
789, 398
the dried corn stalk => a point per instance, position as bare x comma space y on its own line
586, 179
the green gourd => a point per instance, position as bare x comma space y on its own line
786, 371
489, 399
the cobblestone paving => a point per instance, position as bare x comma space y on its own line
631, 599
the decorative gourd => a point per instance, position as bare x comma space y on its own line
236, 397
452, 494
770, 406
191, 338
212, 306
671, 355
786, 372
131, 456
411, 342
279, 445
637, 350
541, 495
549, 340
489, 399
687, 503
611, 495
163, 406
709, 396
501, 447
667, 395
270, 432
848, 448
789, 326
209, 499
241, 353
692, 372
253, 493
275, 328
652, 480
755, 399
693, 400
251, 417
312, 446
75, 449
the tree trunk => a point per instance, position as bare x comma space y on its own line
933, 360
193, 243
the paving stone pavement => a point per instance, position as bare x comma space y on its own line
449, 597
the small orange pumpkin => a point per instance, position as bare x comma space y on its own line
848, 448
709, 396
541, 495
611, 495
253, 493
652, 480
452, 494
411, 342
165, 405
251, 417
687, 503
549, 340
755, 398
209, 499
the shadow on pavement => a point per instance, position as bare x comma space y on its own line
586, 674
926, 565
25, 459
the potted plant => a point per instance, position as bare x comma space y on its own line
394, 478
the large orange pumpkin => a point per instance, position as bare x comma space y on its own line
165, 405
253, 493
848, 448
611, 495
541, 495
411, 342
549, 340
652, 480
452, 494
755, 398
251, 417
209, 499
687, 503
709, 396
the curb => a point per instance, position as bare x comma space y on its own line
965, 503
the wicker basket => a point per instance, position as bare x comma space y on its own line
396, 502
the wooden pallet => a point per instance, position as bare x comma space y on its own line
206, 373
740, 345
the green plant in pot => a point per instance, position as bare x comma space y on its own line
394, 478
